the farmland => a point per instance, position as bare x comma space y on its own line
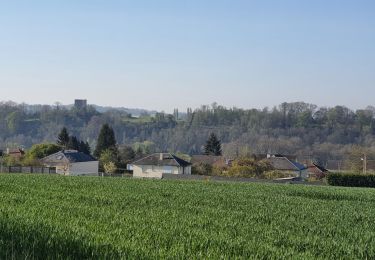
60, 217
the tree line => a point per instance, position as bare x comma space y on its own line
300, 129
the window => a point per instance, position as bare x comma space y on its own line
168, 169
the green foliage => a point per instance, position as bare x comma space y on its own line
108, 158
14, 120
39, 151
106, 140
144, 148
73, 144
110, 168
354, 158
63, 138
351, 180
52, 217
84, 147
249, 167
291, 128
11, 161
213, 146
202, 169
126, 155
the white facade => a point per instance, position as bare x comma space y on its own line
151, 171
79, 169
73, 163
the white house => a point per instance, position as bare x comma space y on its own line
155, 165
73, 163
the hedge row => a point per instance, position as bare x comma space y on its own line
351, 180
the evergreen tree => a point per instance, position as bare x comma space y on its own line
213, 146
106, 141
63, 138
73, 143
84, 147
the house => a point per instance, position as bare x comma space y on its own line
317, 171
155, 165
284, 164
216, 161
260, 156
73, 163
15, 153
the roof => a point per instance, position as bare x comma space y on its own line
162, 159
208, 159
320, 168
15, 151
70, 156
219, 161
284, 164
265, 156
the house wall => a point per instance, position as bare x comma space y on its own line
146, 171
149, 171
62, 169
84, 168
187, 170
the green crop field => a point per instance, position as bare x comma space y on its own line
52, 217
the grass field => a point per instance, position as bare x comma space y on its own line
58, 218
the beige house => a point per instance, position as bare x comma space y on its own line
155, 165
73, 163
284, 164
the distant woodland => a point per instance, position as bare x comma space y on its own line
300, 129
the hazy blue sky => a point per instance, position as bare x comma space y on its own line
161, 54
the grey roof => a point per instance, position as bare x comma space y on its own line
70, 156
284, 164
167, 160
209, 159
319, 167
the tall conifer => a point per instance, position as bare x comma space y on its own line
106, 141
63, 138
213, 146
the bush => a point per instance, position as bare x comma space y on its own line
110, 168
37, 152
202, 169
242, 171
249, 167
351, 180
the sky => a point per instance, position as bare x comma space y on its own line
168, 54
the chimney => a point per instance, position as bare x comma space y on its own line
161, 157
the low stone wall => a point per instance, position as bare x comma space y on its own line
28, 169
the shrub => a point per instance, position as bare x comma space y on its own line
248, 167
241, 171
110, 168
351, 180
202, 169
11, 161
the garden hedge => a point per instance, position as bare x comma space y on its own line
351, 180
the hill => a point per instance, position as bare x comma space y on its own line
301, 129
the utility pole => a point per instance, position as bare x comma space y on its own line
364, 159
